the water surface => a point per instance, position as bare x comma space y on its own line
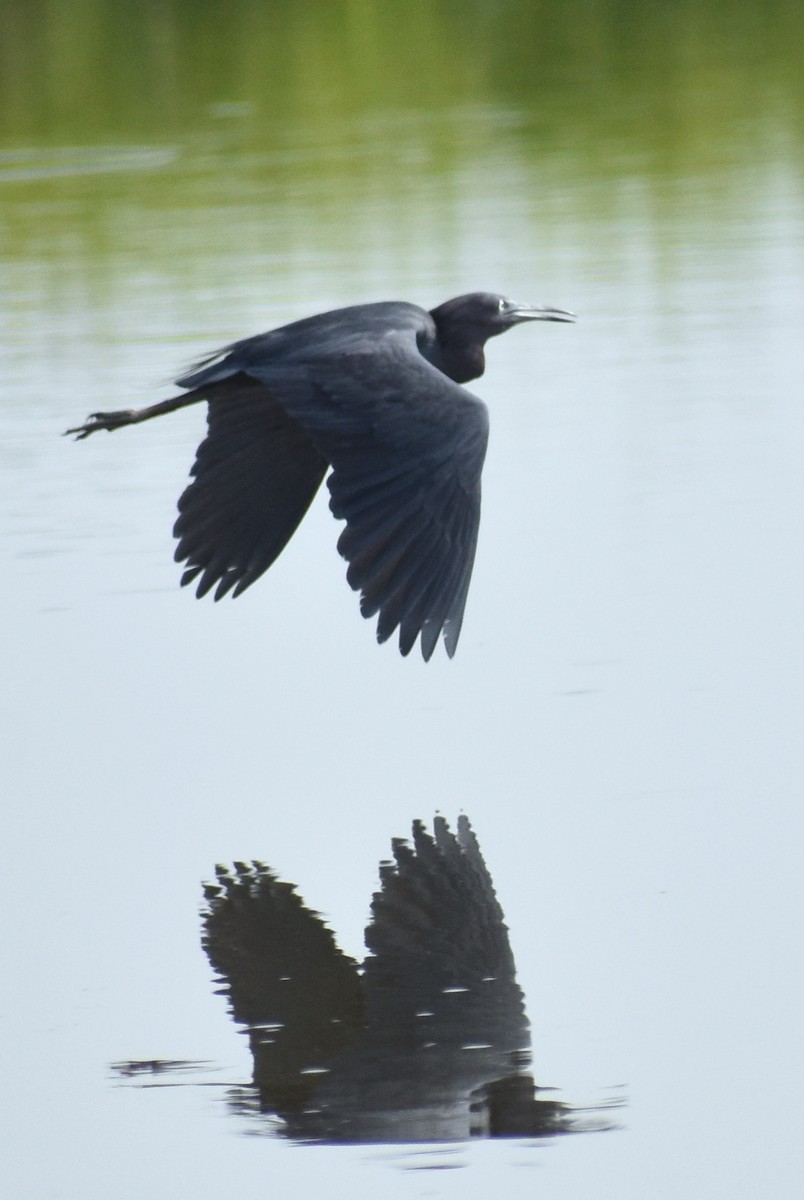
623, 718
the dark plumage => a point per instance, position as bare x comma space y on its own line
427, 1040
370, 392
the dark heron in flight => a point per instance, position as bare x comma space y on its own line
370, 393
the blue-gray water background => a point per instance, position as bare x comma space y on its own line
623, 720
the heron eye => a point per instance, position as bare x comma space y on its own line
502, 304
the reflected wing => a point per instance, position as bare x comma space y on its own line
299, 994
407, 446
255, 475
440, 946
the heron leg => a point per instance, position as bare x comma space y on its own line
130, 416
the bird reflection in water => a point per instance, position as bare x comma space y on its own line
426, 1041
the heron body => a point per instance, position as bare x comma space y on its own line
371, 393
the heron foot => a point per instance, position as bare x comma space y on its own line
103, 420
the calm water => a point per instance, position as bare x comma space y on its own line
623, 719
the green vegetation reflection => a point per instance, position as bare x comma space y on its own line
607, 81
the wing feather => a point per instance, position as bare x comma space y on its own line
254, 477
406, 446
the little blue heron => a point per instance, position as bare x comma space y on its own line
371, 393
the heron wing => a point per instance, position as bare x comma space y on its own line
298, 994
254, 477
439, 944
406, 446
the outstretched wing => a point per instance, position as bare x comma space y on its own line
407, 446
439, 946
298, 994
254, 477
